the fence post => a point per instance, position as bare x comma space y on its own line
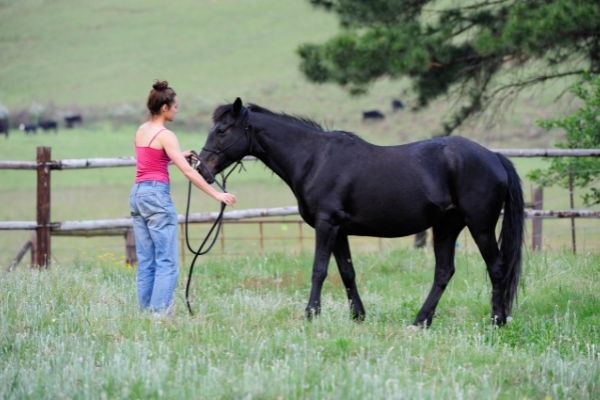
33, 248
572, 203
182, 243
301, 236
536, 222
222, 239
130, 254
42, 248
420, 239
262, 239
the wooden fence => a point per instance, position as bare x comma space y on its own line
44, 227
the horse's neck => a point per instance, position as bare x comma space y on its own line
286, 150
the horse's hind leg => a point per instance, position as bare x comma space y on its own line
343, 258
488, 246
444, 242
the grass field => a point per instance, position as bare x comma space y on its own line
74, 332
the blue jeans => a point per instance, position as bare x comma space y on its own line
155, 229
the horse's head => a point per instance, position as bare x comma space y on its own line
228, 140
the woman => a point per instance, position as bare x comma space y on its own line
154, 217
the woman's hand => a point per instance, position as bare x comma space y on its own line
190, 156
171, 145
226, 198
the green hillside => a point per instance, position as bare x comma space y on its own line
107, 52
101, 57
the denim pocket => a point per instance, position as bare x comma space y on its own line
155, 202
133, 210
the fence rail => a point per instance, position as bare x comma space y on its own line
548, 152
126, 223
44, 227
82, 163
119, 225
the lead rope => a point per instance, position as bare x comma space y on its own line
216, 225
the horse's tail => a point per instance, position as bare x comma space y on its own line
511, 236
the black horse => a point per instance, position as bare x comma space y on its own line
346, 186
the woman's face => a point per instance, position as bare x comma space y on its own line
170, 112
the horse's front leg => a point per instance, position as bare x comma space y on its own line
344, 262
325, 240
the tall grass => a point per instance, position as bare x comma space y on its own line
74, 332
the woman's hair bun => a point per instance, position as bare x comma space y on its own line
160, 95
160, 85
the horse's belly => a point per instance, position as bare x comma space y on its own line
389, 212
391, 225
384, 233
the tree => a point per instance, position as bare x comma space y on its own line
465, 50
582, 130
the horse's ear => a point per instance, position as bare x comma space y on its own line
237, 107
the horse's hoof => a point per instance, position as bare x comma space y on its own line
312, 313
358, 317
357, 311
423, 323
498, 320
416, 328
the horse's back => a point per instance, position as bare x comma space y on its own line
400, 190
387, 191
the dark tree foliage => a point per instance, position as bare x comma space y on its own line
460, 48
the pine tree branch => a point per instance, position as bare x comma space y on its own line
471, 7
538, 79
478, 101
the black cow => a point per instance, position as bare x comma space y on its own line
48, 124
397, 105
28, 128
372, 115
4, 126
72, 120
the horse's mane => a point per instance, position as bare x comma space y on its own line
293, 119
296, 120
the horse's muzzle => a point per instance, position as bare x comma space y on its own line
204, 171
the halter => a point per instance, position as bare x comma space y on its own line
217, 152
246, 135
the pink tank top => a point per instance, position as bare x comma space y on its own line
151, 164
